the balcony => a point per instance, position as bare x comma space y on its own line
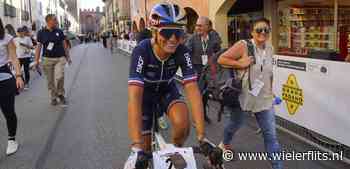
25, 15
10, 10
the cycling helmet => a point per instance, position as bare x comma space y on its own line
164, 14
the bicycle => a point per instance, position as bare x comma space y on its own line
167, 156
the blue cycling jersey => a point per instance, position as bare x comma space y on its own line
148, 71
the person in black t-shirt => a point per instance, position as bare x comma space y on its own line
55, 56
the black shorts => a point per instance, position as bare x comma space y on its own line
164, 99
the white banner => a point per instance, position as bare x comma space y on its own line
316, 95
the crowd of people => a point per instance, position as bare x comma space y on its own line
16, 58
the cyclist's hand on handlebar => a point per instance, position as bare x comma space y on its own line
142, 160
212, 152
138, 159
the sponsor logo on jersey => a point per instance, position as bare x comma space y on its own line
188, 60
139, 65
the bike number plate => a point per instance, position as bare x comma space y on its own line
160, 158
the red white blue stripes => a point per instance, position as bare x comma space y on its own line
189, 79
136, 81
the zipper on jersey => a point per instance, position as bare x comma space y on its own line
161, 75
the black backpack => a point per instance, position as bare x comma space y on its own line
228, 84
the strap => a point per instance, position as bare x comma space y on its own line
250, 47
251, 52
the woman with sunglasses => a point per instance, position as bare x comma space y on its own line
8, 86
154, 63
257, 99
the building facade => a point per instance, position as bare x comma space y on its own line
117, 16
110, 13
73, 9
32, 13
90, 20
15, 12
123, 16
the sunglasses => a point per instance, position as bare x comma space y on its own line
261, 30
167, 33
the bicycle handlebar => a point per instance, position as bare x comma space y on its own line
214, 155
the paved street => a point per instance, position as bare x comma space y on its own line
92, 132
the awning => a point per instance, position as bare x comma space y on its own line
246, 6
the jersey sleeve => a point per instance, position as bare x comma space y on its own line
186, 66
137, 67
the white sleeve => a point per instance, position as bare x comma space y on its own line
29, 41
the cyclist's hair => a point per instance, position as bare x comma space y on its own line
49, 16
2, 30
258, 20
154, 32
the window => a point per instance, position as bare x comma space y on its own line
310, 28
9, 10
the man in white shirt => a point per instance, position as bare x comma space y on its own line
24, 46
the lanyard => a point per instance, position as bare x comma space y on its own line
205, 45
261, 59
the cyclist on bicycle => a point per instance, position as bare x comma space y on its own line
154, 63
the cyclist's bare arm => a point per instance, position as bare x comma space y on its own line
195, 99
135, 94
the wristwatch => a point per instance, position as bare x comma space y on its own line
18, 75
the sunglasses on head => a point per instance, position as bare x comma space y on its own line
167, 33
261, 30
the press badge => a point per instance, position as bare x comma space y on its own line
256, 87
204, 59
50, 46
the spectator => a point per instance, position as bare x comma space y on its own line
104, 40
30, 35
258, 100
126, 36
24, 46
55, 55
8, 87
144, 33
203, 45
348, 58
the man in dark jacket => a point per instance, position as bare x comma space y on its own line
203, 45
